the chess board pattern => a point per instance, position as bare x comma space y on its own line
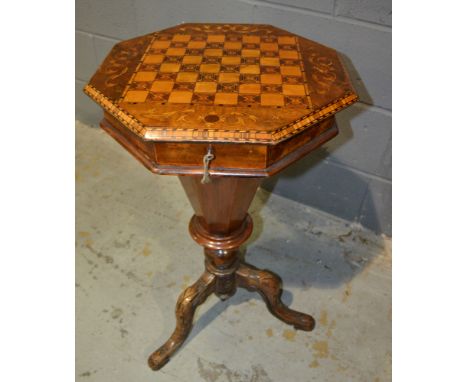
226, 69
221, 83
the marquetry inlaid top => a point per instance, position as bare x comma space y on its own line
221, 82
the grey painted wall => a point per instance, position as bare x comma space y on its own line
349, 177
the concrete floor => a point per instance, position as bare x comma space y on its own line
134, 256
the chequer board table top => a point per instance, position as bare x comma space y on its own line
221, 83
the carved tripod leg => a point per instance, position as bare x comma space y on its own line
268, 285
186, 305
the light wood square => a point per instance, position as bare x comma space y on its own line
213, 52
161, 44
216, 38
169, 67
250, 53
286, 40
269, 61
250, 69
267, 99
209, 68
225, 99
205, 87
228, 60
294, 90
249, 89
228, 77
162, 86
249, 39
269, 46
175, 52
192, 60
181, 37
234, 45
291, 54
180, 97
136, 96
196, 44
271, 79
153, 59
290, 70
187, 77
144, 76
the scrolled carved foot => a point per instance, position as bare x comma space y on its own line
268, 285
187, 303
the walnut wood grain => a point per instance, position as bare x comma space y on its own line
268, 285
221, 83
220, 206
231, 159
185, 309
232, 102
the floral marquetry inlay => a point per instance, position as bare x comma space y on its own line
262, 83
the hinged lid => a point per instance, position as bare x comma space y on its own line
221, 83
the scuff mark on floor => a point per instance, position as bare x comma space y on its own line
123, 332
116, 313
87, 373
321, 349
146, 250
213, 372
346, 235
289, 334
354, 261
314, 364
330, 329
346, 293
323, 320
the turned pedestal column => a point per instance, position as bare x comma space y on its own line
221, 225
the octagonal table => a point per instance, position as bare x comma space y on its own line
222, 106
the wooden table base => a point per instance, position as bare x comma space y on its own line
221, 224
